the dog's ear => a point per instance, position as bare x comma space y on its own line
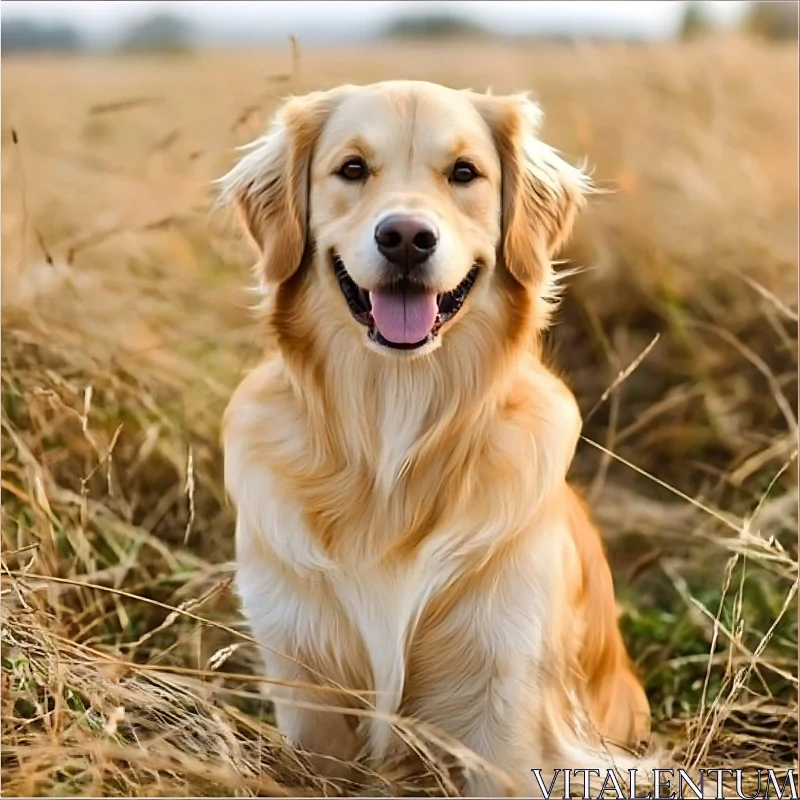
541, 192
270, 184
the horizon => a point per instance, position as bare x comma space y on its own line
312, 21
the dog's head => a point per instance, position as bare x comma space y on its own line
402, 213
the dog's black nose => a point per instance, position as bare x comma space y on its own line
406, 240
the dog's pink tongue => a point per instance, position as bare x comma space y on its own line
404, 317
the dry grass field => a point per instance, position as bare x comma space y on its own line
126, 670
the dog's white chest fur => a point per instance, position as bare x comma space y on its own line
307, 605
376, 605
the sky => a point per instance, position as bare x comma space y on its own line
319, 20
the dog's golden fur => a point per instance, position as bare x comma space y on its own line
405, 528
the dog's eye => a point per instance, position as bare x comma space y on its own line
463, 172
354, 169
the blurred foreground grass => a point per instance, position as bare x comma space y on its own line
125, 326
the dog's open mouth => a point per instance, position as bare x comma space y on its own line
404, 315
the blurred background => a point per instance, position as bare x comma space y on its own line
71, 25
126, 323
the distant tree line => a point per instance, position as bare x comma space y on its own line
773, 19
26, 34
164, 32
767, 19
433, 26
159, 32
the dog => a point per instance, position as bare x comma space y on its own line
407, 543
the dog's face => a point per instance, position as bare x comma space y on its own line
424, 207
405, 202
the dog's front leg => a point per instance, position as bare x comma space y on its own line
486, 666
503, 735
302, 715
291, 628
477, 677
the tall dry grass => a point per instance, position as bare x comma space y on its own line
126, 670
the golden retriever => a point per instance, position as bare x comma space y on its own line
404, 526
